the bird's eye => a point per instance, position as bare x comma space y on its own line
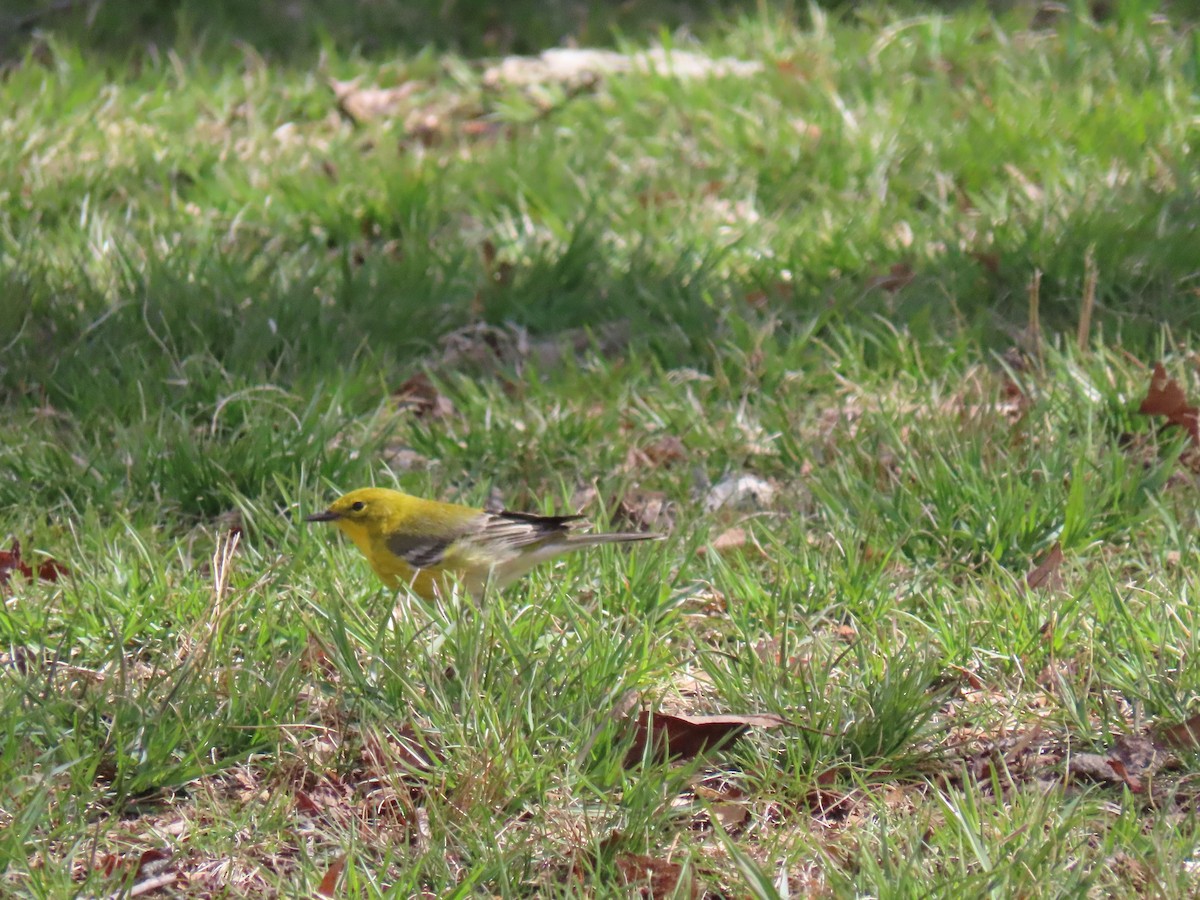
359, 506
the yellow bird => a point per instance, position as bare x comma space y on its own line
425, 544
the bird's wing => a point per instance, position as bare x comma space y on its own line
420, 550
488, 536
504, 532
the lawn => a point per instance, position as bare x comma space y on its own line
884, 314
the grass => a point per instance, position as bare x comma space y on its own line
218, 288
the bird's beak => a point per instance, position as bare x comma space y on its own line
328, 516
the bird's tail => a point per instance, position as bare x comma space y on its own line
613, 537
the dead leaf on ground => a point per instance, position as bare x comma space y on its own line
727, 804
427, 126
1166, 397
420, 396
315, 657
1045, 574
11, 561
689, 684
1132, 759
660, 453
846, 633
830, 804
652, 876
1013, 403
645, 511
989, 260
149, 871
1093, 767
899, 275
328, 885
730, 816
1183, 736
1137, 753
1135, 758
684, 737
1131, 781
230, 521
305, 803
499, 272
406, 751
826, 799
361, 104
731, 540
809, 131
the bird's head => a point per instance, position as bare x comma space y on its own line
359, 512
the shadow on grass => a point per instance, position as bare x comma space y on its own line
309, 313
294, 31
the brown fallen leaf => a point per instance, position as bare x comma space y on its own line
644, 511
315, 657
498, 272
1045, 574
827, 799
1131, 781
305, 803
420, 396
1093, 767
360, 104
684, 737
658, 454
730, 816
899, 275
11, 561
724, 803
1137, 753
730, 541
830, 804
51, 570
1014, 403
328, 885
149, 871
733, 539
404, 750
654, 877
989, 260
1183, 736
1166, 397
1132, 759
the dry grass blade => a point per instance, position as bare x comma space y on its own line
1090, 277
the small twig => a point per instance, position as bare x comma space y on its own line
1089, 298
152, 884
